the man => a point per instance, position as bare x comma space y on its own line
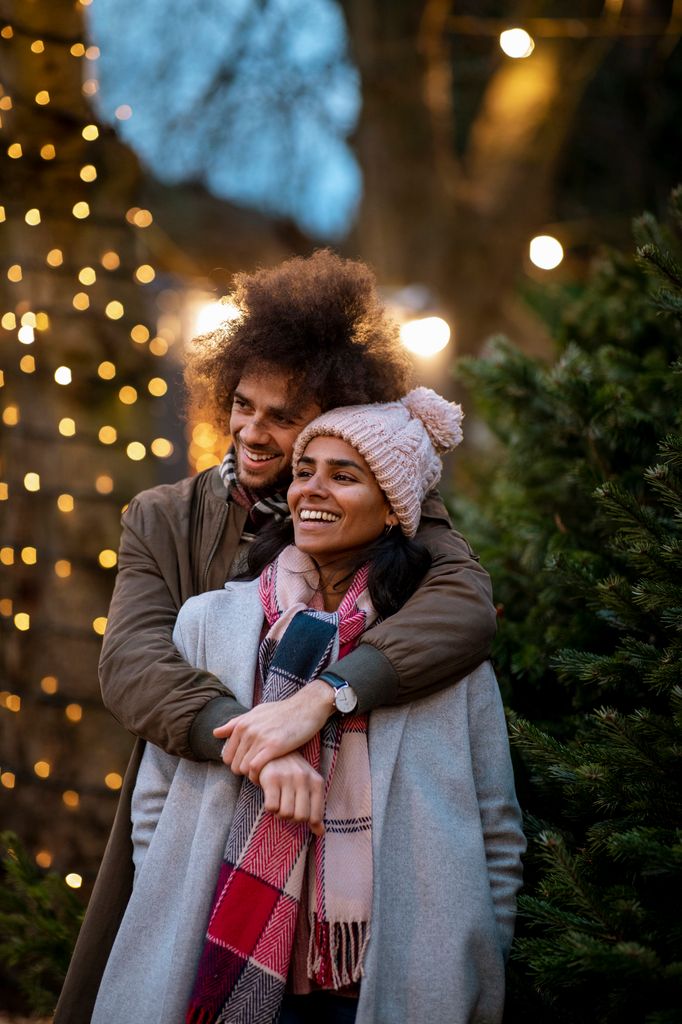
312, 335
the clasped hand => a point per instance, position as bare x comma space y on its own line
268, 736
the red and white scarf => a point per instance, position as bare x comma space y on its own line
247, 950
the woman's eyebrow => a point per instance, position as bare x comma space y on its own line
335, 463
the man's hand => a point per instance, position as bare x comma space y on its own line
274, 729
294, 790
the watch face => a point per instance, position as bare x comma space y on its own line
346, 699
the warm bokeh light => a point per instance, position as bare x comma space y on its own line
114, 309
425, 336
71, 798
516, 43
55, 257
99, 624
42, 769
136, 451
107, 558
107, 434
14, 273
145, 274
110, 260
157, 387
44, 859
90, 132
81, 301
88, 172
113, 780
27, 364
37, 46
546, 252
62, 375
42, 98
11, 415
74, 880
9, 321
29, 555
26, 335
32, 217
106, 370
32, 482
104, 484
162, 447
139, 334
15, 151
62, 568
67, 426
158, 346
81, 210
87, 275
65, 503
48, 152
8, 779
127, 395
74, 712
49, 685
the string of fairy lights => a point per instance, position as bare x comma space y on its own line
28, 331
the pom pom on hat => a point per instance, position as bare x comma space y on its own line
442, 419
399, 441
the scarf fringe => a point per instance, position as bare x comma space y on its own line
336, 951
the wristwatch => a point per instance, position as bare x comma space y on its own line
345, 698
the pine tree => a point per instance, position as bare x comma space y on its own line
588, 503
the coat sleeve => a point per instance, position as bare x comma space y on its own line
503, 835
156, 773
146, 683
441, 634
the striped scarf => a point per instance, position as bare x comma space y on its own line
262, 508
245, 960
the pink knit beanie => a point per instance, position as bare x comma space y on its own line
400, 442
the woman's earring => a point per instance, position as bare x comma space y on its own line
387, 528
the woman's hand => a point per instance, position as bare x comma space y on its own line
274, 729
294, 790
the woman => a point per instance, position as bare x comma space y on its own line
371, 876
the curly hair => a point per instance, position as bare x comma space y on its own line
319, 320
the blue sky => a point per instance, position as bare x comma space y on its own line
256, 99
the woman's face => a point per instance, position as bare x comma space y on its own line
336, 504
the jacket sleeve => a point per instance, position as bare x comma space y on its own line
146, 684
439, 635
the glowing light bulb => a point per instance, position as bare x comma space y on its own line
425, 336
546, 252
516, 43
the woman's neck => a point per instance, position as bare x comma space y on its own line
334, 582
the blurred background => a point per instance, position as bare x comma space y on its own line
477, 155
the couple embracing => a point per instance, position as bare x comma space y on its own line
321, 825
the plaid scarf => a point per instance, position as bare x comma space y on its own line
261, 508
246, 956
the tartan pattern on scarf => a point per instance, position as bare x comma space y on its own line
261, 508
245, 960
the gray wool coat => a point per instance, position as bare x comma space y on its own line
447, 845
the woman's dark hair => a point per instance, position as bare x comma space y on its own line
397, 564
317, 320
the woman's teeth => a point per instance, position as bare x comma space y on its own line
326, 517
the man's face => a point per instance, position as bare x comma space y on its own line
264, 426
